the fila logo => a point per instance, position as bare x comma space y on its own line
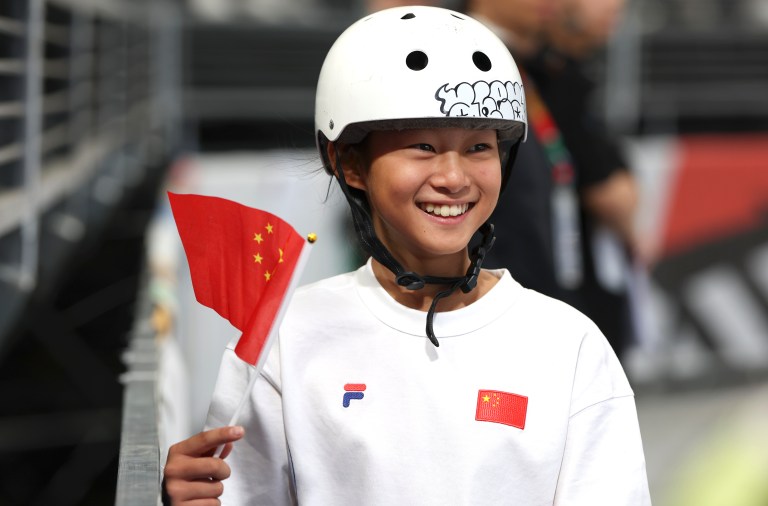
353, 391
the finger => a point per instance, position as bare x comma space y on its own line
184, 491
203, 442
197, 468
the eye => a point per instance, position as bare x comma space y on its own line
423, 146
478, 148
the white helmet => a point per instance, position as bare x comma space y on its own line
418, 67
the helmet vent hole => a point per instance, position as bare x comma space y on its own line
457, 17
330, 124
417, 60
410, 15
481, 61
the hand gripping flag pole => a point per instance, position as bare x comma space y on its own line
245, 264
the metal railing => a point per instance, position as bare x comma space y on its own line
139, 467
88, 93
89, 102
684, 62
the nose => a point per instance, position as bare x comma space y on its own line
450, 173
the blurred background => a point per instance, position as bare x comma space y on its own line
105, 357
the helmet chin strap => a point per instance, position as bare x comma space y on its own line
412, 281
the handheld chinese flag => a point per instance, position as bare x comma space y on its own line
244, 263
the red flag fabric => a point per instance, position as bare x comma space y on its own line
241, 261
501, 407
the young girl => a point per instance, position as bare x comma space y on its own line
421, 378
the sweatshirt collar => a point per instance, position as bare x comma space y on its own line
447, 323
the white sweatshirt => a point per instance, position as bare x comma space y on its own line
356, 407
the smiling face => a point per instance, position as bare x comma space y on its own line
429, 191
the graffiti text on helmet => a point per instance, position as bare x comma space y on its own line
483, 100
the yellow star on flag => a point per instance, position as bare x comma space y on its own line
486, 398
234, 265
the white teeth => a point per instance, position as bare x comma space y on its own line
445, 210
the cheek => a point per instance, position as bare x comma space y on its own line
389, 191
393, 180
490, 179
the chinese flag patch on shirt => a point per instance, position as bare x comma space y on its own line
501, 407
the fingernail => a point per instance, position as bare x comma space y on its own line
237, 431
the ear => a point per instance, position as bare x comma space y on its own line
351, 163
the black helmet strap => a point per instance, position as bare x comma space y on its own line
371, 244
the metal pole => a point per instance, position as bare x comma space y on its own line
166, 86
30, 232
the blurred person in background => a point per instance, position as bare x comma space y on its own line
611, 245
580, 29
569, 220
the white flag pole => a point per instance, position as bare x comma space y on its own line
273, 331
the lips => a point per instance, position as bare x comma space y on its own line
444, 210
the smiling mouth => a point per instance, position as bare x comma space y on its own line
445, 210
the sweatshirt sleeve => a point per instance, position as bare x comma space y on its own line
603, 462
260, 464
